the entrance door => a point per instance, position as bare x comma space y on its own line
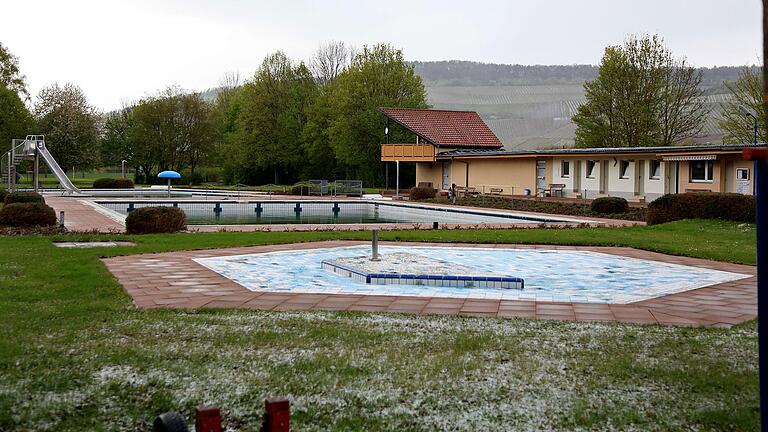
639, 177
446, 175
541, 176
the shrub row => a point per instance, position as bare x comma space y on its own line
702, 205
113, 183
420, 193
148, 220
27, 214
23, 197
551, 207
609, 205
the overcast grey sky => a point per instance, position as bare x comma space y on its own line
121, 50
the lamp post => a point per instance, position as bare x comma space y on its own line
760, 156
386, 165
748, 113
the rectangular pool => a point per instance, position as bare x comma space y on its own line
325, 212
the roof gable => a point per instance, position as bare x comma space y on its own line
445, 128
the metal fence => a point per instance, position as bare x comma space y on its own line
348, 187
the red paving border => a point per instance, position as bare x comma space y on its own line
174, 280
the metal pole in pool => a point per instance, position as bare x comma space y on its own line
375, 245
760, 156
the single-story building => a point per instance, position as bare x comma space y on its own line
458, 148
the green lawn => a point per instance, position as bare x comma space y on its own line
75, 355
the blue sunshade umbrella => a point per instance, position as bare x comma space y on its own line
169, 175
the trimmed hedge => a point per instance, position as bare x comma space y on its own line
148, 220
113, 183
610, 205
420, 193
702, 205
23, 197
27, 215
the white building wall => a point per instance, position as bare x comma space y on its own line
591, 184
621, 187
654, 188
557, 175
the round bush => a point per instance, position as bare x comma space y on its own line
610, 205
702, 205
420, 193
147, 220
113, 183
23, 197
27, 215
123, 183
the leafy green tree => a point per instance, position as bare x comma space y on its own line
15, 120
115, 139
169, 131
746, 93
227, 150
642, 96
271, 119
10, 76
377, 77
70, 125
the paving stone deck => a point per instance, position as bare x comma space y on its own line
175, 280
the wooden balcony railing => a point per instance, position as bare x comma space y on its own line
408, 152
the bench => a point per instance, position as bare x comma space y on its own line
555, 188
495, 191
466, 191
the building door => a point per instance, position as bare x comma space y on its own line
639, 177
576, 176
446, 175
541, 176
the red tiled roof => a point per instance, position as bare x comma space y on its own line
445, 128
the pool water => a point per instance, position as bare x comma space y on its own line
550, 275
324, 212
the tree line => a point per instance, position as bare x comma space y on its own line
470, 73
290, 121
295, 120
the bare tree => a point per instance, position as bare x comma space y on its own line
230, 80
682, 108
329, 61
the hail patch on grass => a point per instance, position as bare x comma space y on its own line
349, 371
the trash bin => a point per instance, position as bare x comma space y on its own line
526, 192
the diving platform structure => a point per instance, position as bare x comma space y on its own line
32, 148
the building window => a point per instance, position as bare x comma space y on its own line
742, 174
624, 169
701, 171
655, 169
591, 168
565, 169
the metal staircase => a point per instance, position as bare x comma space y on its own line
20, 150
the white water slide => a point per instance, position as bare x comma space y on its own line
61, 176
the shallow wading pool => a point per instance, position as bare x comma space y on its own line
327, 212
550, 275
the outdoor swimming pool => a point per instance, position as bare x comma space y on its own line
550, 275
325, 212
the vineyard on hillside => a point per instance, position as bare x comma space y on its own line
530, 107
